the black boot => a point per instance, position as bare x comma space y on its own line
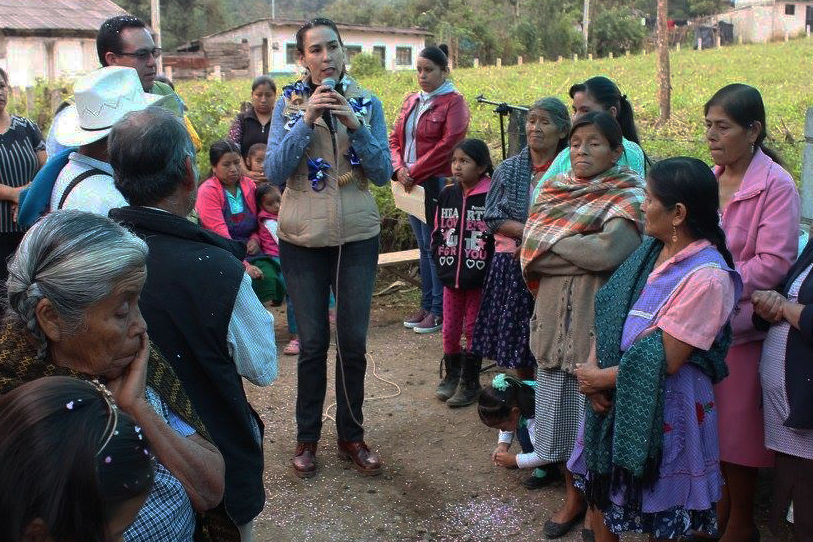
447, 386
468, 389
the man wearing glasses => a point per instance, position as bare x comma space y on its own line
125, 41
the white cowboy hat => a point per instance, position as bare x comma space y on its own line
102, 97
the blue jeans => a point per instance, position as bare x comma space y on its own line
310, 274
289, 307
431, 287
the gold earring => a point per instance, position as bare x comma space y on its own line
674, 234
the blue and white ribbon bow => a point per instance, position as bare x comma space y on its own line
353, 157
360, 105
295, 88
317, 173
293, 118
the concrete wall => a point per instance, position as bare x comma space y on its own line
280, 38
763, 22
28, 58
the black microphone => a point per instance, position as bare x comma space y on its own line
330, 83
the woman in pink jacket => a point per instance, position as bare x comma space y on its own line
226, 204
760, 215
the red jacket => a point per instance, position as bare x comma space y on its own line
440, 128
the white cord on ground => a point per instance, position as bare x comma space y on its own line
327, 416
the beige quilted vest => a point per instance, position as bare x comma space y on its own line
344, 210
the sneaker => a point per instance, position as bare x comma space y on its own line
430, 324
292, 348
415, 318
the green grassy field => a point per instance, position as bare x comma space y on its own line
781, 71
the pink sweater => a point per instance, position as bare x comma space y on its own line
210, 202
268, 242
761, 224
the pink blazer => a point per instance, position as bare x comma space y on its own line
210, 202
761, 224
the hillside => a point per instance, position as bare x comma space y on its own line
695, 77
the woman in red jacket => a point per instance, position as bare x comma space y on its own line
430, 124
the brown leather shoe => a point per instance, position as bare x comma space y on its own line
304, 460
364, 460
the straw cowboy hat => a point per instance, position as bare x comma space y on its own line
102, 97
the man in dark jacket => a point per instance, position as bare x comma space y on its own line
197, 301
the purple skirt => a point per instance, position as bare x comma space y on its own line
689, 478
502, 328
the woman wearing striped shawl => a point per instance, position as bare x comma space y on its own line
581, 227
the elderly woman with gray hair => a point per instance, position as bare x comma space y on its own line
73, 291
501, 332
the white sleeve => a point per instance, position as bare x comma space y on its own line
251, 337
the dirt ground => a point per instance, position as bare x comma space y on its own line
438, 483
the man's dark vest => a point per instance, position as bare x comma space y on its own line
193, 276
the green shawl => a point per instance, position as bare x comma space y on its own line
623, 447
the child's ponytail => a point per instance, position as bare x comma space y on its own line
505, 393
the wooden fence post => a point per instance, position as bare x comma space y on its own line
499, 63
719, 41
55, 98
541, 59
806, 184
476, 62
519, 60
590, 57
677, 47
611, 55
29, 102
699, 44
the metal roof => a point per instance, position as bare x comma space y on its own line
33, 15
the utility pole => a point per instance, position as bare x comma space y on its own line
155, 22
586, 24
664, 76
273, 9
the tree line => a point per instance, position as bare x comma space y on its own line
483, 29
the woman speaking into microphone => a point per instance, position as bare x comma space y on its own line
327, 143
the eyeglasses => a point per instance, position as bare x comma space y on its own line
144, 54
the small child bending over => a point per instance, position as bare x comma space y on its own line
254, 161
462, 248
509, 405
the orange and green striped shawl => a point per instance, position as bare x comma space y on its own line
568, 206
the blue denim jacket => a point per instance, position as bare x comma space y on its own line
285, 147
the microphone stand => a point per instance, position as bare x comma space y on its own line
503, 109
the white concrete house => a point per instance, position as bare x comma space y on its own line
759, 21
50, 39
272, 44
